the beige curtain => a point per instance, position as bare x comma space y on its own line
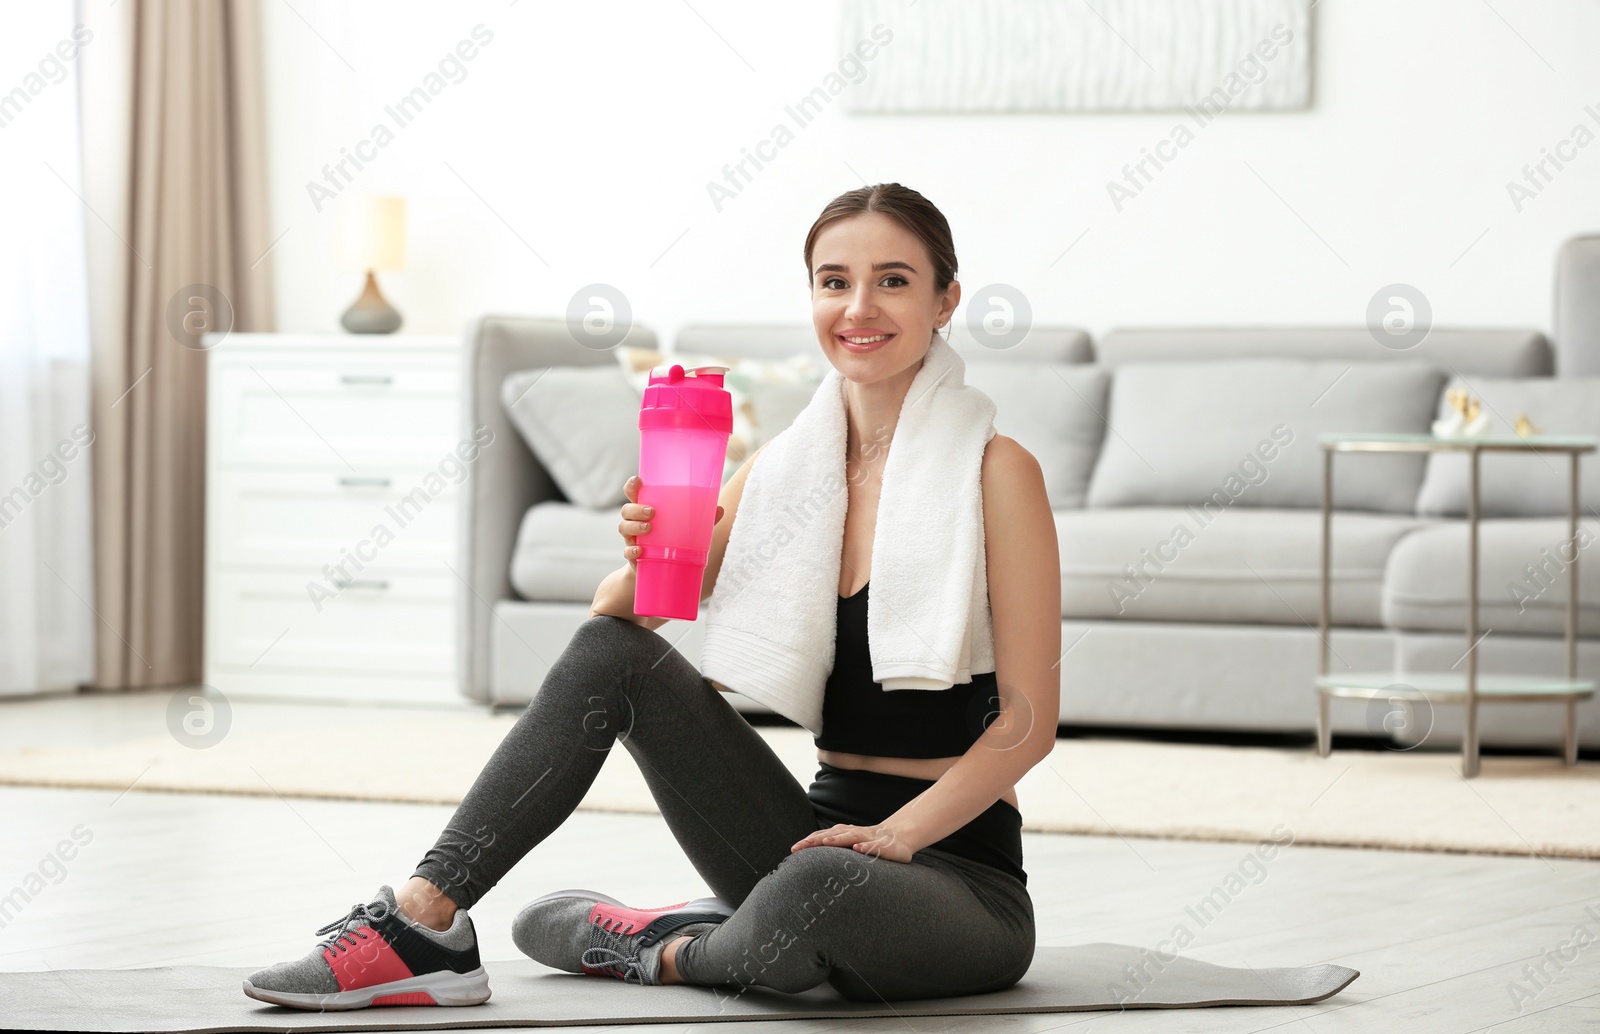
190, 127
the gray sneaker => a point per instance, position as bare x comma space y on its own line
584, 931
377, 956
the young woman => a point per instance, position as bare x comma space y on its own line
898, 873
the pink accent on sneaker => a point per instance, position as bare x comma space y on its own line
414, 998
628, 920
368, 962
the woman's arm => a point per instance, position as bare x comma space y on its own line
615, 597
1024, 569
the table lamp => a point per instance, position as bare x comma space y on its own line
371, 235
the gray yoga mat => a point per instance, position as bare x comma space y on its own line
1081, 978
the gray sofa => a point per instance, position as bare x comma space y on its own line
1139, 434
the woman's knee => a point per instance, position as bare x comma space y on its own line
855, 903
608, 630
617, 642
822, 863
592, 676
601, 653
822, 882
615, 667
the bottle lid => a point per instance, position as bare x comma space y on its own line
693, 401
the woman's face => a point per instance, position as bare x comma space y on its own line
872, 278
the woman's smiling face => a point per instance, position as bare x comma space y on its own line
874, 301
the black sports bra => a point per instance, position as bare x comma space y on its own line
860, 717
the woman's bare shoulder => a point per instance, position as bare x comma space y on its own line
1014, 493
1007, 465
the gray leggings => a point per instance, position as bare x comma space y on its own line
874, 929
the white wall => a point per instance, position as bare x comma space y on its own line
583, 136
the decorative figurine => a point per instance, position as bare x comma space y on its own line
1468, 419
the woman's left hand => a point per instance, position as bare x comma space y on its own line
869, 840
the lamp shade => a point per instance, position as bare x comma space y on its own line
371, 233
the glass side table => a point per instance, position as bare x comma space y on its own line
1469, 689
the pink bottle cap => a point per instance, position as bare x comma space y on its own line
695, 401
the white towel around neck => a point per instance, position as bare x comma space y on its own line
771, 622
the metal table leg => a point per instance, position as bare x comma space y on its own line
1324, 729
1569, 743
1469, 741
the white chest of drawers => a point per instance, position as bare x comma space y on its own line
332, 471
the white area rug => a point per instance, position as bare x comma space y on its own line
1393, 799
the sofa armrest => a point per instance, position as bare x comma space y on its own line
506, 478
1577, 316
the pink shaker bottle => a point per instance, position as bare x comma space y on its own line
684, 424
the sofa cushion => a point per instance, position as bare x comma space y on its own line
1516, 484
1251, 566
1054, 411
582, 422
564, 551
1243, 432
1495, 351
1522, 578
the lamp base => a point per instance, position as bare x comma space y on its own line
371, 313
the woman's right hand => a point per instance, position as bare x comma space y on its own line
636, 520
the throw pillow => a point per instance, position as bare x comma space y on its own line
582, 422
1519, 484
1055, 411
1244, 432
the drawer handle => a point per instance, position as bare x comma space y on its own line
349, 482
367, 583
366, 378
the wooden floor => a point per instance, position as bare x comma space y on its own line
1442, 941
